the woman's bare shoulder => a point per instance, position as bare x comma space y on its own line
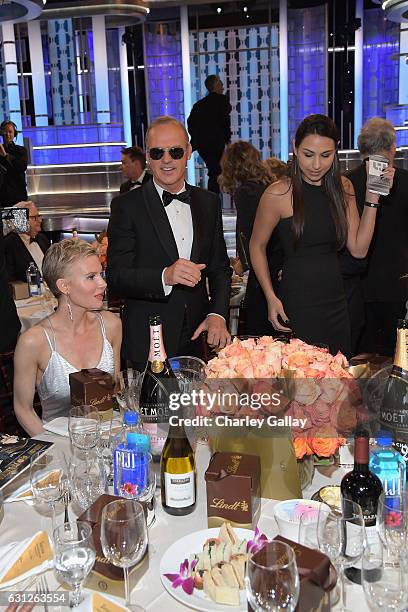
33, 338
282, 188
112, 321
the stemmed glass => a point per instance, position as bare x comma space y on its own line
127, 389
48, 479
142, 485
392, 522
340, 534
88, 481
272, 580
124, 537
84, 427
74, 555
385, 582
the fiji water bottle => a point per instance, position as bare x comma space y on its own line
33, 280
388, 465
131, 455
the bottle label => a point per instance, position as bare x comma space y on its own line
179, 489
130, 472
157, 353
401, 350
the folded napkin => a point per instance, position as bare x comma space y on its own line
20, 560
60, 426
96, 602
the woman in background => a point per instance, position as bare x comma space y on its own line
75, 337
316, 215
245, 177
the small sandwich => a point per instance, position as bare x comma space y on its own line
238, 565
229, 576
220, 594
228, 535
209, 585
216, 575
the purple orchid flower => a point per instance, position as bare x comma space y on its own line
184, 577
256, 544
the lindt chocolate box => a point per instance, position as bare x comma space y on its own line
317, 577
106, 577
233, 490
92, 387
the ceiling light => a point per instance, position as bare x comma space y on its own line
219, 9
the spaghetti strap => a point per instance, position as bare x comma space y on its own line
102, 324
48, 338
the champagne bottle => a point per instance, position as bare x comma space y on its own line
158, 383
364, 488
394, 410
178, 473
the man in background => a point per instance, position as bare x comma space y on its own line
133, 169
21, 249
209, 125
13, 166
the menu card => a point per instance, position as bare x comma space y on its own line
15, 455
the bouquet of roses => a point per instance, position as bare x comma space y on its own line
319, 392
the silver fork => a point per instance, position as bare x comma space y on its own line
42, 589
66, 498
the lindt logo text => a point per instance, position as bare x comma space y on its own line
235, 461
237, 505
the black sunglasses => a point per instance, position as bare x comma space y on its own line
157, 153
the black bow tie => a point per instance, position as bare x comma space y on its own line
32, 240
168, 197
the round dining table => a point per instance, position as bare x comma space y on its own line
21, 519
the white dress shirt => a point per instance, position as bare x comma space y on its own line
34, 250
139, 181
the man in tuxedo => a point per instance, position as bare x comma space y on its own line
9, 321
21, 249
210, 128
133, 169
384, 289
165, 242
13, 166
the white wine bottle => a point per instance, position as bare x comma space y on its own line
394, 409
178, 473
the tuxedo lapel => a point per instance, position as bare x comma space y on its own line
199, 222
159, 220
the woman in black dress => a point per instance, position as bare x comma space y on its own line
315, 213
246, 177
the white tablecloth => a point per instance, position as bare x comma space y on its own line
33, 310
22, 520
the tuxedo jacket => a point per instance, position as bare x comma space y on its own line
18, 257
9, 321
387, 260
127, 185
141, 245
209, 123
13, 188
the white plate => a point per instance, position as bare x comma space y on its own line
182, 549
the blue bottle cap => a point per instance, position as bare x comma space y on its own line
131, 418
384, 438
175, 364
139, 442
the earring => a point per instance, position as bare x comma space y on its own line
69, 310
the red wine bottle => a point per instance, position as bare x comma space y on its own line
364, 488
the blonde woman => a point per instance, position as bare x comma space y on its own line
75, 337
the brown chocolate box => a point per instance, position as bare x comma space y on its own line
106, 577
317, 578
233, 490
92, 387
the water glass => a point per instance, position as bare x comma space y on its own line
392, 522
136, 477
48, 478
84, 427
127, 389
272, 579
124, 537
385, 582
341, 536
88, 481
74, 555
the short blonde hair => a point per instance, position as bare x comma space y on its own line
165, 120
60, 256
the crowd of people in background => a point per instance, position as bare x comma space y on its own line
326, 258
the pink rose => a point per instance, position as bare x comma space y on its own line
306, 391
319, 412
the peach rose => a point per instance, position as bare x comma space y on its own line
301, 448
306, 391
319, 412
324, 442
331, 389
297, 411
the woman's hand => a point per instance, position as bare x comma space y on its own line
275, 310
388, 173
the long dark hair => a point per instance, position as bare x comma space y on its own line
322, 126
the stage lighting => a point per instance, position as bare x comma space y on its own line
219, 10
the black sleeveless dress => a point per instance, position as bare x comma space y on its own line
312, 289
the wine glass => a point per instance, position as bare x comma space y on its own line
385, 582
392, 522
84, 427
124, 537
74, 555
341, 534
272, 579
88, 481
136, 478
127, 389
48, 479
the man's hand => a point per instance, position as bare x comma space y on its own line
217, 332
183, 272
3, 152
